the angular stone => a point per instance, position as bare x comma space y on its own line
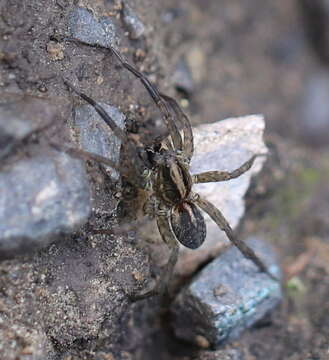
41, 198
226, 297
95, 136
134, 25
20, 116
224, 145
182, 77
83, 26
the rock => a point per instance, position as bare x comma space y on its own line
55, 50
83, 26
226, 297
224, 145
41, 198
95, 136
231, 354
314, 110
20, 116
134, 25
182, 77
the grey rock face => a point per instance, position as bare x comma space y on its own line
224, 145
314, 112
134, 25
227, 296
95, 136
83, 26
41, 198
20, 116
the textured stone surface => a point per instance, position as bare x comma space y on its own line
83, 26
134, 25
40, 198
226, 297
225, 146
20, 116
95, 136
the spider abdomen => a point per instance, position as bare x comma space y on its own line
188, 225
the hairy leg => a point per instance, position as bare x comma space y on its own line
214, 176
168, 237
185, 124
159, 101
223, 224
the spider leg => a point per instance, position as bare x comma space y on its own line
223, 224
85, 155
159, 101
132, 149
101, 111
188, 146
214, 176
169, 238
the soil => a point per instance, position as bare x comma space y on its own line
244, 57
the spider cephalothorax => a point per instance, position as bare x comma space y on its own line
163, 171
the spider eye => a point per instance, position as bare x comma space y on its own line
188, 225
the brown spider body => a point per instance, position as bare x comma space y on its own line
162, 171
173, 186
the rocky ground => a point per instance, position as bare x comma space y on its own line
69, 299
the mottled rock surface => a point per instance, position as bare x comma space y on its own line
95, 136
224, 146
21, 116
85, 27
40, 198
226, 297
133, 23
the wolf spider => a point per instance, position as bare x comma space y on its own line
162, 170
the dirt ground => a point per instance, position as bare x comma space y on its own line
243, 57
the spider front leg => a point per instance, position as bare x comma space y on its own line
214, 176
223, 224
168, 236
159, 100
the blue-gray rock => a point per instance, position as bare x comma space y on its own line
83, 26
182, 77
228, 296
41, 198
314, 110
95, 136
134, 25
20, 116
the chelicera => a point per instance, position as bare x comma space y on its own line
162, 170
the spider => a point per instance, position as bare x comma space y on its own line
162, 171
